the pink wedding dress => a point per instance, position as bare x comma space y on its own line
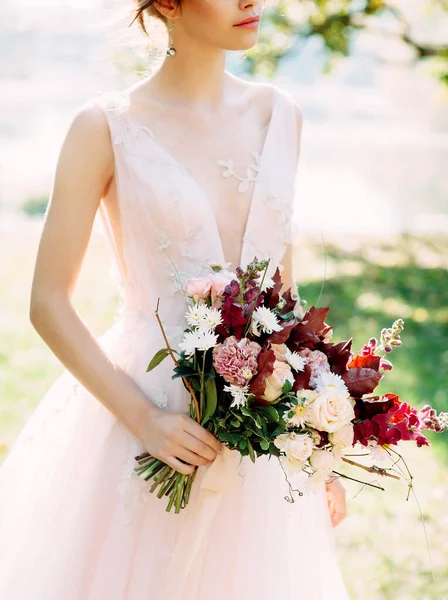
75, 522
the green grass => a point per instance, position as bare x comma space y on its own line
381, 544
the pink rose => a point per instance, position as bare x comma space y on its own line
218, 282
198, 288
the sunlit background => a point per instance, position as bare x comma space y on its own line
371, 215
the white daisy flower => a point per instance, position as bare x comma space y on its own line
239, 394
266, 319
294, 360
332, 381
212, 317
207, 339
196, 314
198, 340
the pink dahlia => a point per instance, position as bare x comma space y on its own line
235, 360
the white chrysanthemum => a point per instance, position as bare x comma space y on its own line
196, 314
198, 340
212, 317
331, 381
267, 283
207, 339
239, 394
266, 319
294, 360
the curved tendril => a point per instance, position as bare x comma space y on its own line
289, 498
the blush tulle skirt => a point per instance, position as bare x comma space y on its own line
77, 524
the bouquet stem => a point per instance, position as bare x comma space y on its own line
172, 483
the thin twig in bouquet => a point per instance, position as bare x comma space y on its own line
373, 469
170, 352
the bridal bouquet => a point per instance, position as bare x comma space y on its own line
265, 380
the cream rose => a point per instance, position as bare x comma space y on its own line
296, 446
279, 351
322, 460
331, 410
343, 436
275, 382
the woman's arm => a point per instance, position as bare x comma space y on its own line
83, 174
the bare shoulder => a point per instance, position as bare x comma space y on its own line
89, 122
88, 139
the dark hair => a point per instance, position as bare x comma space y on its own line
144, 9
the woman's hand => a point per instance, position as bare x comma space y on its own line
172, 436
336, 501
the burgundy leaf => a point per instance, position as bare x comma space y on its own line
290, 302
338, 355
302, 379
272, 294
265, 360
308, 331
280, 337
361, 381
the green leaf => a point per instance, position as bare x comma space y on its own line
258, 421
183, 371
264, 445
211, 400
157, 359
287, 387
235, 423
269, 412
251, 450
242, 444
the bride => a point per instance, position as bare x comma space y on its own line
190, 166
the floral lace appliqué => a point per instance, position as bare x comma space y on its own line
251, 171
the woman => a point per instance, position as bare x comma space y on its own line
188, 167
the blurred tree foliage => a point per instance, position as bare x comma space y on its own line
287, 23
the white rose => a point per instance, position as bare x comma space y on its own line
342, 437
331, 410
275, 382
316, 480
322, 460
292, 467
296, 446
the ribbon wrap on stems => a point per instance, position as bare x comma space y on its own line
221, 477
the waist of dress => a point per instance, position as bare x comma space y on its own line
145, 319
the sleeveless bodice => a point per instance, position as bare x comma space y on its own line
168, 228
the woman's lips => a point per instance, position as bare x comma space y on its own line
250, 25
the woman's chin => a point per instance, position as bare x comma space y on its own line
242, 45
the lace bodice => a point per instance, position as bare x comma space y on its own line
167, 225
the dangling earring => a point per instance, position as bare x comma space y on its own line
171, 51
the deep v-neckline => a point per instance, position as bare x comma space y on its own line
207, 201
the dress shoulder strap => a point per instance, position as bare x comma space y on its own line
115, 105
290, 125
